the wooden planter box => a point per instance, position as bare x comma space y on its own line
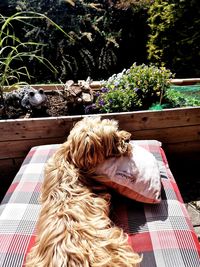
177, 129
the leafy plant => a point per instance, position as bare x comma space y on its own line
93, 42
161, 18
174, 36
14, 53
117, 99
152, 82
175, 99
135, 88
106, 37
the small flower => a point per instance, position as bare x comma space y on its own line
89, 108
119, 75
116, 83
97, 94
101, 102
104, 90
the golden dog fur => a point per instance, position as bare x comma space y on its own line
74, 229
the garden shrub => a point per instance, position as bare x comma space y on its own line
132, 89
174, 36
14, 53
105, 37
161, 19
117, 100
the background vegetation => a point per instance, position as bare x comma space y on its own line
174, 39
104, 37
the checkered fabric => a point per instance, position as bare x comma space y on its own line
162, 233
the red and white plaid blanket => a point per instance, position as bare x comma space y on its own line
162, 232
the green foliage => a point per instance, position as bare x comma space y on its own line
108, 36
90, 29
14, 53
117, 100
161, 19
175, 37
135, 88
105, 37
175, 99
152, 82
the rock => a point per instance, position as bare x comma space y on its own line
78, 96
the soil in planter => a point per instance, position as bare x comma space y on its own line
55, 106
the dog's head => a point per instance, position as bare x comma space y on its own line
93, 140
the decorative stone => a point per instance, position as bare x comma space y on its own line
78, 96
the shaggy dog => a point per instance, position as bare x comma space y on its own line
74, 229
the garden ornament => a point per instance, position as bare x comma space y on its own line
26, 97
78, 96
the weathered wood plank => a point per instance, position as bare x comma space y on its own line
169, 135
53, 87
34, 129
18, 148
158, 119
46, 87
97, 84
132, 121
177, 129
188, 81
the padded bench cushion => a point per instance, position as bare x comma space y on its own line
162, 232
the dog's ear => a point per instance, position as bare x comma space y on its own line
123, 142
124, 135
85, 152
92, 153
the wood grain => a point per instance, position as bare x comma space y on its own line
177, 129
